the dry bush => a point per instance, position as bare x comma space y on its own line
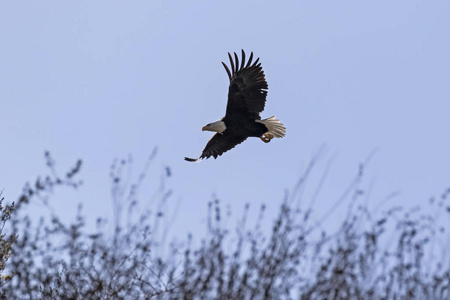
52, 259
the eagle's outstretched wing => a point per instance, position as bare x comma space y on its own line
248, 87
219, 144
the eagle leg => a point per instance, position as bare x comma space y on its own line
266, 137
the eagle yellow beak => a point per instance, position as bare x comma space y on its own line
204, 128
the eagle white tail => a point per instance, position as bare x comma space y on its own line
276, 128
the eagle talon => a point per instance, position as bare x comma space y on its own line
264, 139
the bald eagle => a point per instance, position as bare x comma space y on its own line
246, 100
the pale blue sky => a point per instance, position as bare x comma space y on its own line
99, 80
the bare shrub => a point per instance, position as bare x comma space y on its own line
370, 256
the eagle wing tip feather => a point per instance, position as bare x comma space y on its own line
190, 159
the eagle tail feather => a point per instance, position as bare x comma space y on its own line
274, 126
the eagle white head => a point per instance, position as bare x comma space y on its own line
218, 127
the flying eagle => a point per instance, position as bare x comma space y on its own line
246, 100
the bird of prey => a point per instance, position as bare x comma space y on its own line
246, 100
